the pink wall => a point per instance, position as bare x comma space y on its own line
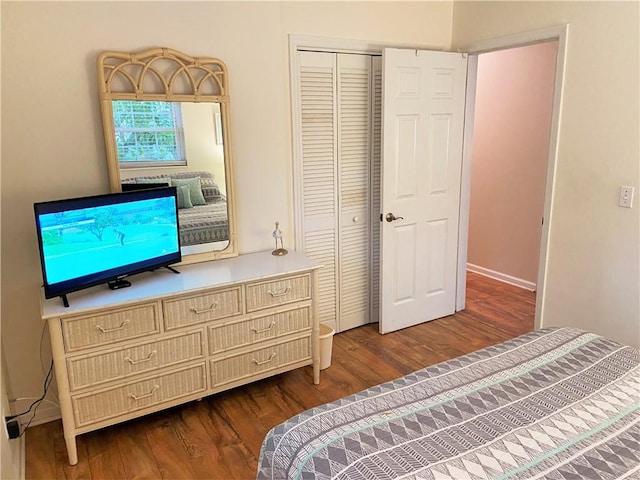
509, 158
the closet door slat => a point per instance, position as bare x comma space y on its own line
376, 164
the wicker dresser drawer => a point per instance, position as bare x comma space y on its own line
237, 334
247, 364
114, 326
201, 308
96, 407
91, 370
278, 292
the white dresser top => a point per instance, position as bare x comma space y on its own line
192, 278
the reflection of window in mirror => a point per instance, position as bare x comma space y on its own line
149, 134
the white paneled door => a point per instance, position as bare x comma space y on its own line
423, 121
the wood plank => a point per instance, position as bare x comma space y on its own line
103, 454
364, 364
297, 385
220, 437
135, 450
386, 347
202, 443
40, 454
63, 470
338, 381
168, 450
240, 421
268, 402
226, 431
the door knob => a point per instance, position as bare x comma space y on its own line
390, 217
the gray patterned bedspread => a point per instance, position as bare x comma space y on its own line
555, 404
203, 223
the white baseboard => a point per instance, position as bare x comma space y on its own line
48, 411
46, 414
502, 277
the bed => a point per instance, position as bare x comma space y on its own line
203, 222
556, 403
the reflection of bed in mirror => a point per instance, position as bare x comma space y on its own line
202, 207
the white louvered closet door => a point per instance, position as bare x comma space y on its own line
336, 179
354, 198
317, 174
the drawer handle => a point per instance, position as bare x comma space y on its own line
279, 294
256, 331
273, 355
145, 359
210, 309
114, 329
146, 395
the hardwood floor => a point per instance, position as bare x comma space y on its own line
220, 436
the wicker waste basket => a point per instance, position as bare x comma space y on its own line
326, 345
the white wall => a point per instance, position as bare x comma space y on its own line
11, 451
52, 144
514, 98
593, 273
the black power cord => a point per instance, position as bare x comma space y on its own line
35, 404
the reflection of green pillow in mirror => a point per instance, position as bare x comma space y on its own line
195, 190
184, 197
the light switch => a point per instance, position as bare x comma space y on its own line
626, 197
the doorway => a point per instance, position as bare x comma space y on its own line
556, 35
510, 151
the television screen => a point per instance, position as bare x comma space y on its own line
91, 240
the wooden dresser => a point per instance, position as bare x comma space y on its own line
172, 338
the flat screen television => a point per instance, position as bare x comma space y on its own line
88, 241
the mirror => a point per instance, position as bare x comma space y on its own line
165, 121
170, 143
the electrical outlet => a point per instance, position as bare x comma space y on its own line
13, 429
626, 197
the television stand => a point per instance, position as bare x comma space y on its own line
65, 301
172, 269
119, 283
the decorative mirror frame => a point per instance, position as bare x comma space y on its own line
137, 76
